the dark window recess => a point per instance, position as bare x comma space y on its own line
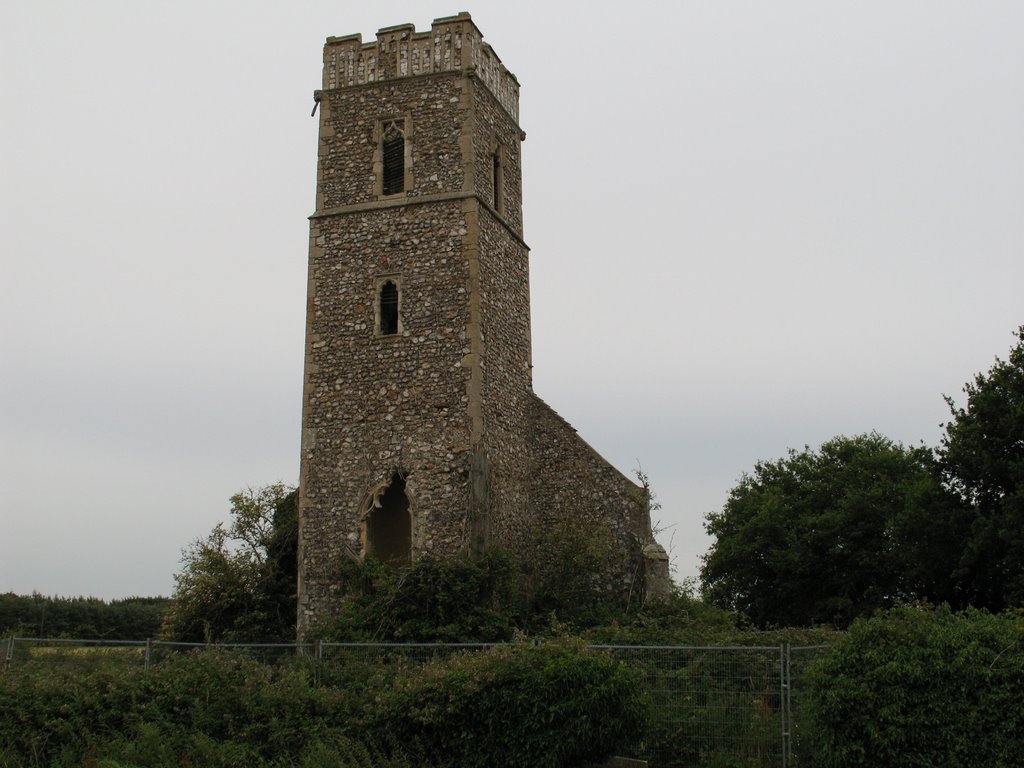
495, 178
389, 308
394, 160
389, 525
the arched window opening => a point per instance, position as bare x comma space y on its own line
389, 525
388, 308
393, 153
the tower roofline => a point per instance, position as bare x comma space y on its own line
453, 43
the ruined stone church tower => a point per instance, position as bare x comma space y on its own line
421, 433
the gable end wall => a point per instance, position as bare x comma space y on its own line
572, 483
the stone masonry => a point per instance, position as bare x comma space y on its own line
421, 433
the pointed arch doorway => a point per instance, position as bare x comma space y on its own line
389, 524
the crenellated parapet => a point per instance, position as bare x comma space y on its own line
453, 44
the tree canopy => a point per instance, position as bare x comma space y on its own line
239, 583
35, 615
826, 536
982, 458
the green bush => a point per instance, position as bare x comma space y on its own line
431, 600
915, 687
339, 751
569, 577
205, 708
516, 705
684, 619
552, 705
487, 599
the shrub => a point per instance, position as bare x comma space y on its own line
539, 705
569, 577
346, 752
50, 713
431, 600
915, 687
552, 705
485, 599
205, 708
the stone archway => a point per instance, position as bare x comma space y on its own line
389, 524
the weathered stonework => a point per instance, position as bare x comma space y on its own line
435, 403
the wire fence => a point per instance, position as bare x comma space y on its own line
741, 706
392, 653
82, 653
798, 662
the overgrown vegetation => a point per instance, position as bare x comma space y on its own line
203, 709
547, 705
516, 705
432, 600
238, 584
488, 599
685, 619
916, 687
566, 580
485, 600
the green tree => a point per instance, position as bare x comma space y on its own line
133, 618
829, 535
239, 583
982, 456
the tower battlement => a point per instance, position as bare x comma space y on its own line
453, 44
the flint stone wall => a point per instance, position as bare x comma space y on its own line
570, 481
379, 404
447, 402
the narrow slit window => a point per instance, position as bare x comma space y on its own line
393, 152
497, 182
388, 309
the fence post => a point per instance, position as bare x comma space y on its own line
10, 652
785, 704
149, 652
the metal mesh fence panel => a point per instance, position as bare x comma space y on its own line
390, 654
714, 706
265, 653
377, 664
74, 653
799, 660
721, 707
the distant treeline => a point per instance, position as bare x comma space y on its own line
134, 618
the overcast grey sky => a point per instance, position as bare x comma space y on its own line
754, 226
